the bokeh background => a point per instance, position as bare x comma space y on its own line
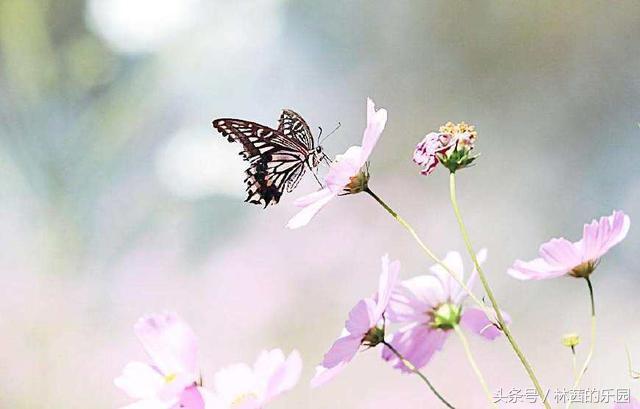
117, 198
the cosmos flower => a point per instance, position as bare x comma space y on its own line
560, 257
451, 146
362, 327
347, 174
430, 306
172, 378
240, 386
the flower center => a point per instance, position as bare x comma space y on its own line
243, 398
584, 270
457, 129
359, 182
446, 316
170, 377
373, 337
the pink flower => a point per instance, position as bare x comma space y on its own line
560, 257
240, 386
172, 378
346, 172
430, 306
632, 404
362, 326
451, 146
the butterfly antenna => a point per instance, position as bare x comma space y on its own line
331, 133
320, 134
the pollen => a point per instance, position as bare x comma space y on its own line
461, 128
241, 399
170, 377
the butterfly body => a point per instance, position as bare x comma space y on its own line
278, 158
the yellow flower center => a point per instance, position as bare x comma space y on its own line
243, 398
460, 128
170, 377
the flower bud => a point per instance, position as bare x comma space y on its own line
571, 340
451, 146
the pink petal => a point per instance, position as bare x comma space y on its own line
536, 269
561, 253
190, 399
324, 375
234, 381
600, 236
342, 351
305, 215
414, 297
476, 320
386, 285
139, 381
170, 343
362, 317
450, 287
284, 378
343, 168
417, 344
150, 404
376, 121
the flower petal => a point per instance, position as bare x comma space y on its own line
600, 236
235, 381
386, 285
314, 203
376, 120
362, 318
170, 343
139, 381
561, 253
190, 398
324, 375
536, 269
284, 377
343, 168
342, 351
417, 344
476, 320
414, 297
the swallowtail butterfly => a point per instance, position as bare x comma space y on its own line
277, 157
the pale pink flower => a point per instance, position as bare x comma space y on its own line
560, 257
632, 404
427, 151
346, 173
430, 305
172, 377
240, 386
362, 327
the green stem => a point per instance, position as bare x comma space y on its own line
424, 247
592, 345
415, 370
487, 289
474, 365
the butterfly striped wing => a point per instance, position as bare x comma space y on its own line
277, 158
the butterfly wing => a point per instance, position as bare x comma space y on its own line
292, 125
275, 161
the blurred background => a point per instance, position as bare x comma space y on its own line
118, 198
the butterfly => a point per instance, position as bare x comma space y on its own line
278, 158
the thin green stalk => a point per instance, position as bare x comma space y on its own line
415, 370
474, 365
424, 247
487, 289
592, 343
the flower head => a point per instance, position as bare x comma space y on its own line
172, 377
362, 328
451, 146
430, 306
560, 257
348, 172
240, 386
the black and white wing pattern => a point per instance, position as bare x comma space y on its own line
277, 158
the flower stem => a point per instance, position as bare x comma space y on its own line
474, 365
487, 289
424, 247
415, 370
592, 345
